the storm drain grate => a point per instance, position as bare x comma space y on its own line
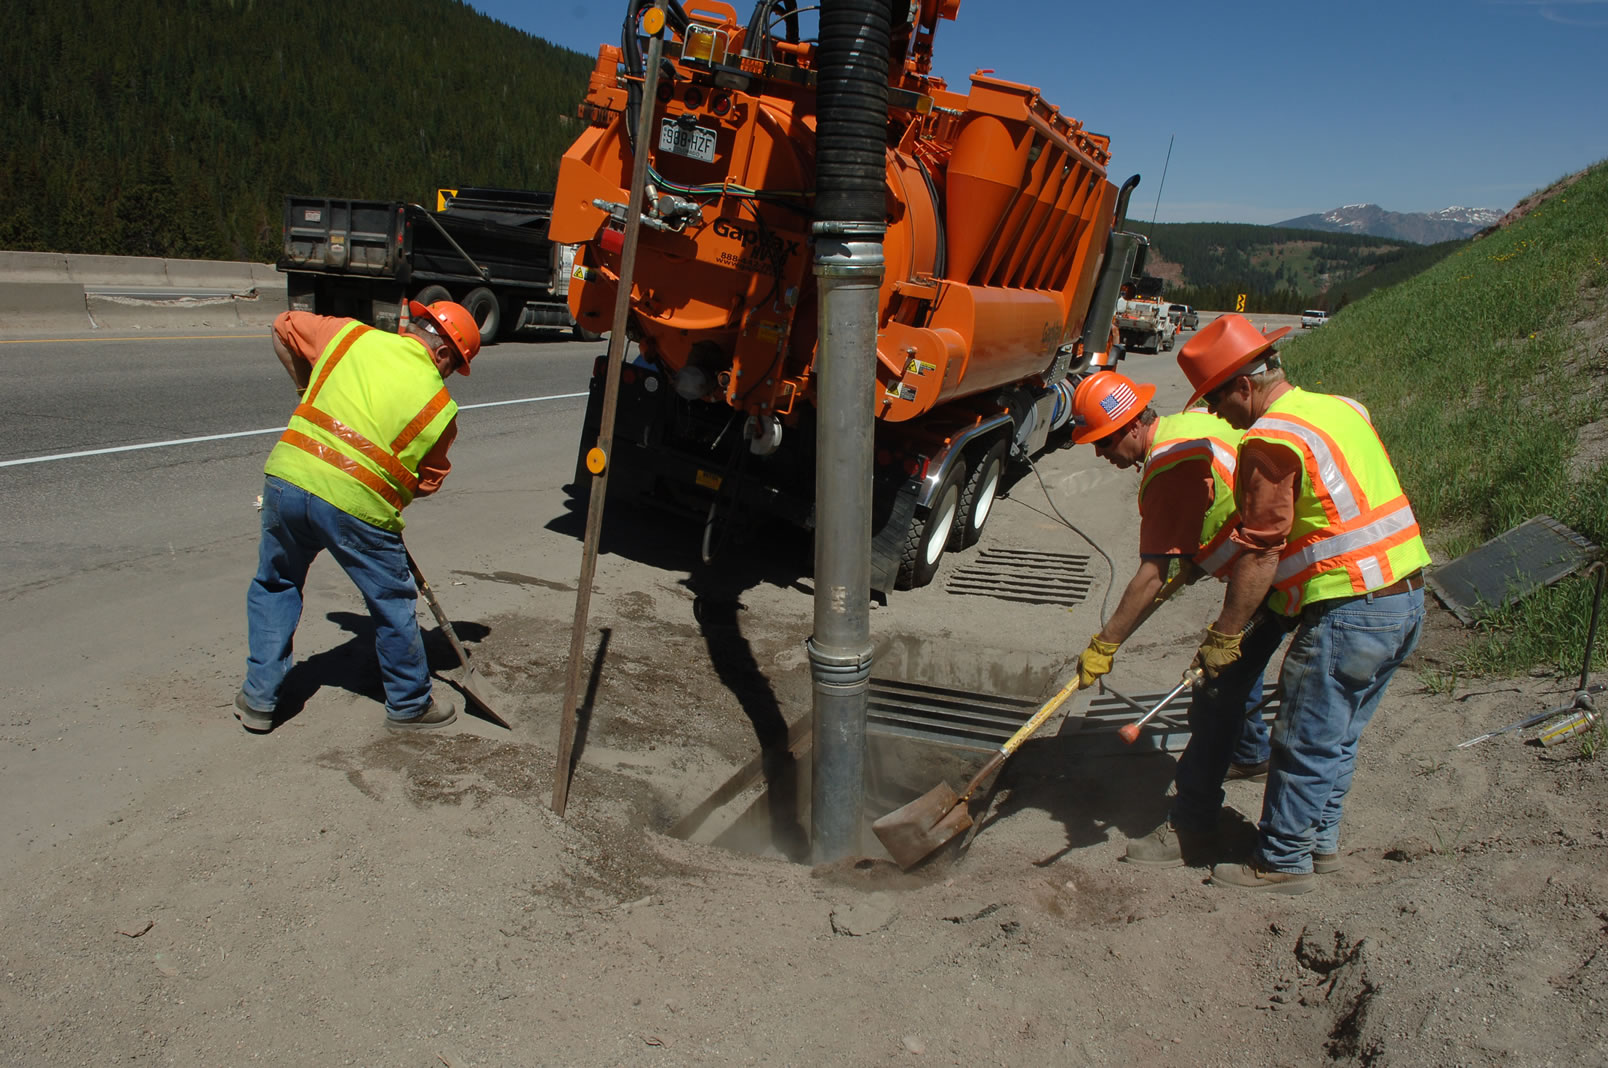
958, 718
1025, 575
1168, 732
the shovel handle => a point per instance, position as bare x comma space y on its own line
435, 608
1026, 731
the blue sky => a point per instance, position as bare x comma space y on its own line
1277, 109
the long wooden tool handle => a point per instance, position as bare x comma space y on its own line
1015, 741
435, 608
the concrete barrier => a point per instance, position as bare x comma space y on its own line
33, 267
116, 270
209, 274
43, 292
42, 306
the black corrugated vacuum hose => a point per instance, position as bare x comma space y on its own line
852, 110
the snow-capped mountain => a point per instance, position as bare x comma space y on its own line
1424, 228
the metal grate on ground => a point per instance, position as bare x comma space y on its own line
956, 718
1024, 575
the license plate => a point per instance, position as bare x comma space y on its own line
693, 142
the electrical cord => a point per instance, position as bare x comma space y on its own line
1111, 568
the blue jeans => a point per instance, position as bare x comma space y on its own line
1255, 745
1340, 660
295, 526
1218, 729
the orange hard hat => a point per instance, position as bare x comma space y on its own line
1217, 353
1106, 402
453, 322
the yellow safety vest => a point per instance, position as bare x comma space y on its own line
1354, 528
1199, 435
375, 407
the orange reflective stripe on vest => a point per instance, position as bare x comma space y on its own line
341, 349
1341, 496
375, 409
1354, 528
1359, 548
343, 463
393, 467
422, 420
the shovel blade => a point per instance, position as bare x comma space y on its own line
912, 832
480, 693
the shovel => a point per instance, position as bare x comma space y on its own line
478, 690
915, 830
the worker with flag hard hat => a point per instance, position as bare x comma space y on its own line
1329, 543
371, 430
1186, 514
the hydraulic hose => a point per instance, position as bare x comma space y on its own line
852, 104
676, 19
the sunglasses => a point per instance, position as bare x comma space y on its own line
1215, 398
1109, 440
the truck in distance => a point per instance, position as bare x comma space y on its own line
487, 249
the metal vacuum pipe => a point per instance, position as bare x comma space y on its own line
851, 143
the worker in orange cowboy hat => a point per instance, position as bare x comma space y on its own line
1330, 545
1186, 513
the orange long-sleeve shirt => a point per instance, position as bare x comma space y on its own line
306, 336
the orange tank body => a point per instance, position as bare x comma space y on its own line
997, 212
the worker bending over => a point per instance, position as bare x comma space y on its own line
1186, 513
1331, 545
370, 433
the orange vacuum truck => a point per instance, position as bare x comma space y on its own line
1004, 256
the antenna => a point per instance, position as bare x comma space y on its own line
1161, 185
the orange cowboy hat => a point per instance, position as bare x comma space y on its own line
1218, 352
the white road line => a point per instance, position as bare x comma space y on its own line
246, 434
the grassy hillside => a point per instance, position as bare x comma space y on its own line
1278, 268
1487, 377
175, 127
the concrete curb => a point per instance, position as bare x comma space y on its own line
42, 306
42, 292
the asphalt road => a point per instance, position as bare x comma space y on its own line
191, 417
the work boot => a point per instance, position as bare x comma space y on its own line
1248, 772
1166, 846
437, 714
1254, 876
254, 721
1325, 863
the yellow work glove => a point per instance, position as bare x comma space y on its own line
1217, 652
1096, 660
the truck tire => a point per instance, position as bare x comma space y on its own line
977, 497
929, 535
431, 294
482, 304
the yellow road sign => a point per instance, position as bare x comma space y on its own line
1239, 302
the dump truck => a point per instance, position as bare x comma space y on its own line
487, 249
1003, 258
